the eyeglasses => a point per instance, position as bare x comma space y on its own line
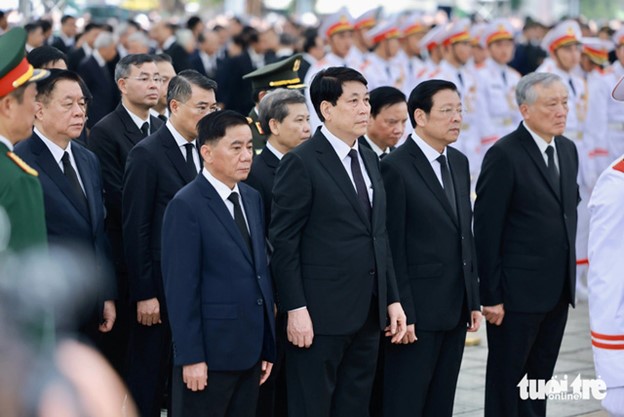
203, 108
450, 112
145, 79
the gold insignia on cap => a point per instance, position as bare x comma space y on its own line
570, 30
343, 19
296, 65
23, 165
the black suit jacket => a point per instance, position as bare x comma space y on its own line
326, 251
261, 177
59, 44
100, 82
524, 229
155, 172
74, 58
362, 141
69, 221
432, 249
111, 140
179, 57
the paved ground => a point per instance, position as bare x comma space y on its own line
575, 358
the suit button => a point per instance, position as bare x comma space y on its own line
465, 263
462, 237
260, 301
259, 277
565, 217
371, 272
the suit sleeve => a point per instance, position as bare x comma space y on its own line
397, 212
494, 191
292, 199
181, 271
475, 301
139, 196
104, 147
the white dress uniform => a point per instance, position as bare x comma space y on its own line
615, 114
380, 71
565, 33
606, 283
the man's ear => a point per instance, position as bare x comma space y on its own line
326, 109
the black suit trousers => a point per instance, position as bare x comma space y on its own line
334, 376
525, 343
424, 372
228, 394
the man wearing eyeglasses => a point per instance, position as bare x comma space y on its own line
429, 226
138, 81
156, 169
72, 190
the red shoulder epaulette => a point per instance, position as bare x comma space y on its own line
619, 166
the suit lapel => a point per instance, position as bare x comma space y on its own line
132, 132
269, 159
223, 214
85, 174
566, 174
175, 155
534, 153
254, 222
47, 163
370, 162
423, 166
458, 184
328, 158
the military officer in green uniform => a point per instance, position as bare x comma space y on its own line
281, 74
21, 198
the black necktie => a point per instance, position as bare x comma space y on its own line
72, 177
553, 173
447, 183
504, 75
360, 184
460, 78
145, 129
190, 163
162, 117
572, 86
239, 219
383, 155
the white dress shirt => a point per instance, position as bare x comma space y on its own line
275, 152
432, 156
181, 141
224, 192
543, 145
138, 121
342, 150
375, 148
57, 154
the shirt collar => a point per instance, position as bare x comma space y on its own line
154, 113
136, 119
177, 136
223, 190
57, 151
541, 143
430, 153
101, 62
170, 41
274, 151
7, 143
374, 146
87, 49
341, 148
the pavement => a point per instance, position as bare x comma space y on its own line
575, 358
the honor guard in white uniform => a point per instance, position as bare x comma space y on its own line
413, 29
615, 133
362, 43
380, 69
431, 47
497, 83
606, 279
479, 53
457, 50
563, 43
337, 31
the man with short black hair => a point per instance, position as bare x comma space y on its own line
65, 40
156, 169
167, 72
35, 38
331, 259
387, 120
217, 282
47, 57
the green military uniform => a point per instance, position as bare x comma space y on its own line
21, 197
281, 74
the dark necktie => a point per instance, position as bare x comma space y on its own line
190, 163
572, 86
553, 173
145, 129
460, 78
162, 117
383, 155
360, 184
72, 178
447, 183
239, 219
504, 75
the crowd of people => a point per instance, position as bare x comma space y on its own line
307, 221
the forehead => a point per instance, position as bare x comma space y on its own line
146, 67
446, 97
165, 68
296, 108
353, 88
66, 88
237, 133
555, 89
395, 109
199, 94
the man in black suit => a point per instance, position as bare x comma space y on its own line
65, 40
205, 59
83, 46
156, 169
331, 256
387, 120
430, 230
525, 229
111, 140
285, 115
72, 188
164, 34
217, 281
98, 78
